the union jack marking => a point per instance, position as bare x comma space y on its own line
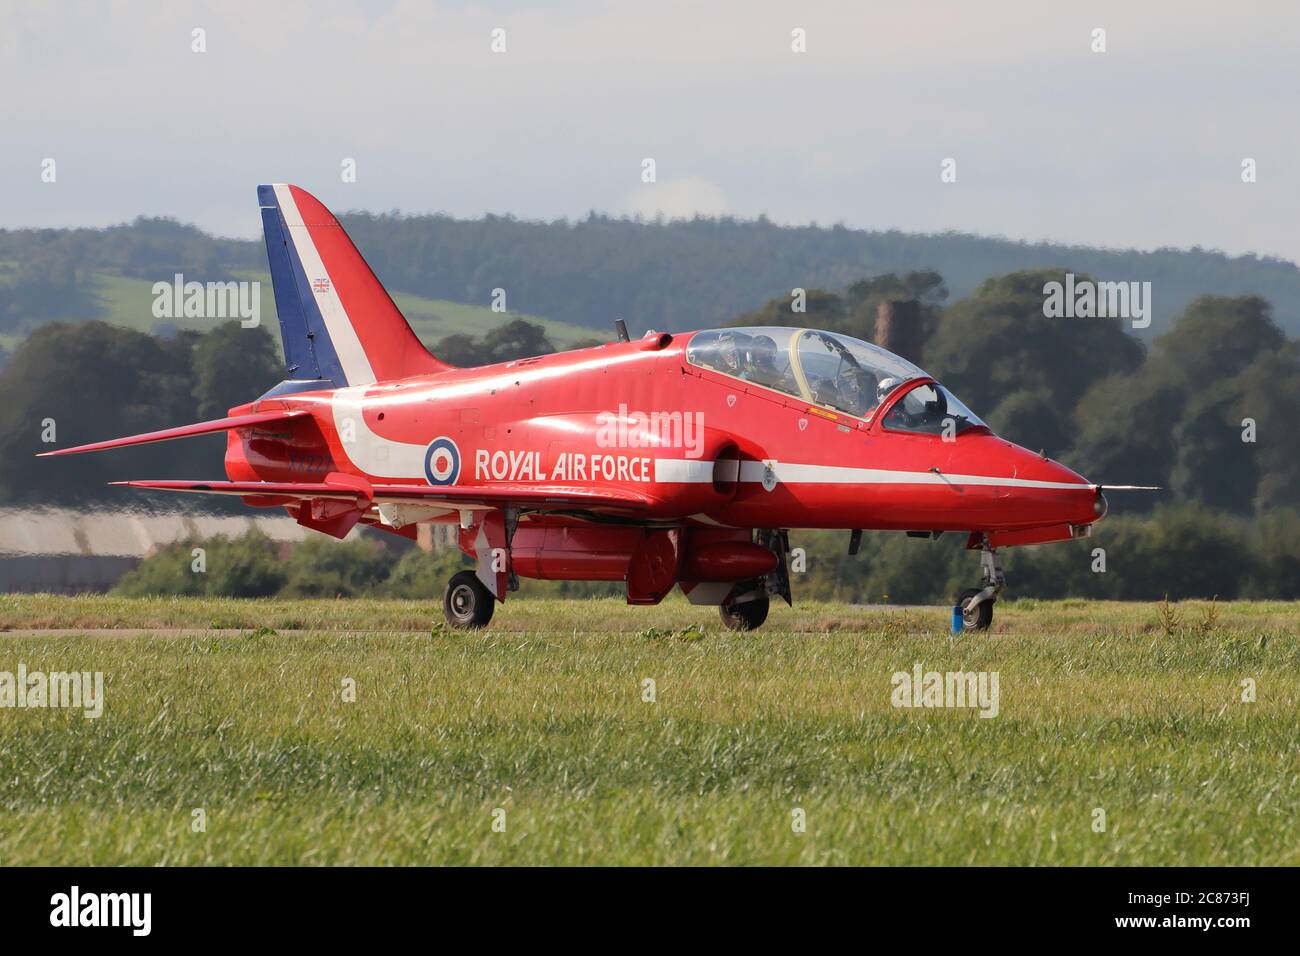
321, 285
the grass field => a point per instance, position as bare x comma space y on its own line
1105, 706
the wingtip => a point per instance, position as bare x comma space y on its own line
60, 452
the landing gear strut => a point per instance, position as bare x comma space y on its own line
977, 603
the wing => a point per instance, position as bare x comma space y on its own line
350, 488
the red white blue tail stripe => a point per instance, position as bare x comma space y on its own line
337, 322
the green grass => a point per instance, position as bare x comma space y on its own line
1101, 705
128, 302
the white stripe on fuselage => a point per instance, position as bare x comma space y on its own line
374, 455
687, 471
787, 473
380, 457
342, 335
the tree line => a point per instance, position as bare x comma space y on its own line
72, 383
669, 276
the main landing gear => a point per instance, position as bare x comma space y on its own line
466, 602
746, 607
977, 603
744, 615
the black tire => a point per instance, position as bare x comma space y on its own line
745, 616
466, 603
981, 617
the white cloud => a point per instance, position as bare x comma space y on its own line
682, 198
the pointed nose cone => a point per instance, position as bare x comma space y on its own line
1038, 490
1034, 466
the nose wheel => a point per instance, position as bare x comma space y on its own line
975, 617
466, 602
976, 604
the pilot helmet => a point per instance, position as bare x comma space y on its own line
762, 351
729, 350
886, 386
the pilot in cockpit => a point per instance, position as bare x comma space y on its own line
729, 353
761, 364
752, 358
852, 390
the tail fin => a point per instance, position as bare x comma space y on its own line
336, 321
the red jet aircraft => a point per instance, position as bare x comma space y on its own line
676, 459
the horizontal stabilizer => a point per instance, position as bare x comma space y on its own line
183, 431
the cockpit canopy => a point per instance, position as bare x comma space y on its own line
833, 370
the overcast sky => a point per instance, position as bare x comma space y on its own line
1139, 146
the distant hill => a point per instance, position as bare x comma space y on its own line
584, 274
694, 274
127, 301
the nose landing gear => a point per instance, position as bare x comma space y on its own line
977, 603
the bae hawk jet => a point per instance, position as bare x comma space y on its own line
677, 459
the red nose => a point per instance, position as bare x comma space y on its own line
1032, 489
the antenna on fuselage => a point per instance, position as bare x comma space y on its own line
620, 329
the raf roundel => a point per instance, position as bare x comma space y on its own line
442, 462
